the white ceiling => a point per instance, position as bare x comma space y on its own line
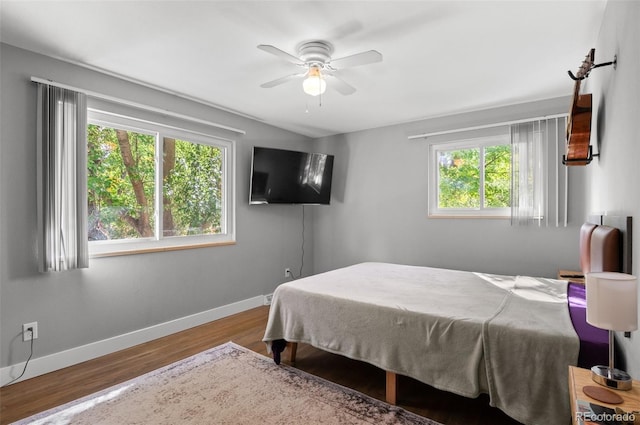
440, 57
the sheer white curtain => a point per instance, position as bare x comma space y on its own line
539, 180
62, 179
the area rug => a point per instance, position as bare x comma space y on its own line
227, 384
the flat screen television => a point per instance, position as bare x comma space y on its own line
281, 176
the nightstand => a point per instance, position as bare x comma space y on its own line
571, 275
579, 377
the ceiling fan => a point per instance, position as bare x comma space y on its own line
315, 57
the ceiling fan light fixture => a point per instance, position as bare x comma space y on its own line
314, 84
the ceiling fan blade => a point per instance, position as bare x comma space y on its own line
282, 80
280, 53
340, 85
364, 58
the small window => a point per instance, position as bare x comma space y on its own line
155, 188
471, 178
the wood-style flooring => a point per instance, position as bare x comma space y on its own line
31, 396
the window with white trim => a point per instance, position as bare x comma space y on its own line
156, 187
471, 178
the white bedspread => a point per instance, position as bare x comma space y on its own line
458, 331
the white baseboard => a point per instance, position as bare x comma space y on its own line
52, 362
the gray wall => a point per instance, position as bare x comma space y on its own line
379, 210
122, 294
614, 179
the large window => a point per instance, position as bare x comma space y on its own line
152, 187
471, 177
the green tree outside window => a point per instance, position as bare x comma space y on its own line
122, 185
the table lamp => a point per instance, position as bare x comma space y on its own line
612, 304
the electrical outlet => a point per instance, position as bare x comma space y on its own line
267, 299
287, 272
28, 335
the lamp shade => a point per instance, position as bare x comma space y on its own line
612, 301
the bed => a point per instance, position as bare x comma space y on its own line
511, 337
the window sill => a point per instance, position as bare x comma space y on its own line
146, 250
492, 217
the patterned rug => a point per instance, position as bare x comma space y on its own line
228, 384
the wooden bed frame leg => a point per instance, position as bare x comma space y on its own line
293, 346
392, 388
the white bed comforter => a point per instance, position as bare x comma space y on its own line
462, 332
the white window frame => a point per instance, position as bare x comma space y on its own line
472, 143
159, 242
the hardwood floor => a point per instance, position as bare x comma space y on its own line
26, 398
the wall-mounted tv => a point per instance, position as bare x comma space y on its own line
281, 176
